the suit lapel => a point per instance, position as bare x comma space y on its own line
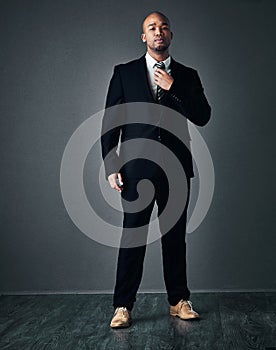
144, 79
174, 68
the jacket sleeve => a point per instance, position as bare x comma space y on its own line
190, 99
110, 132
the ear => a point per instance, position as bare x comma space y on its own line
171, 35
143, 37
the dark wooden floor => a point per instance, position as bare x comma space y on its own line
228, 321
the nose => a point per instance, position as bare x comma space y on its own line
158, 31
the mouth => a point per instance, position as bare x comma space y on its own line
159, 40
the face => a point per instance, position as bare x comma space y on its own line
157, 33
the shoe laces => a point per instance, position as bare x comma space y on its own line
124, 310
185, 302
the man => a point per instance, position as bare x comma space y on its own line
179, 88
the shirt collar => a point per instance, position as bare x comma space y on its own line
151, 61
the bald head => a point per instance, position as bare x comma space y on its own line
153, 15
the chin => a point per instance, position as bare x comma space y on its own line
161, 48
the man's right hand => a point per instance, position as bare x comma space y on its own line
112, 181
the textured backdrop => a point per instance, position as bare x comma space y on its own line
56, 61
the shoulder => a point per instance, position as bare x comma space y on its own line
130, 64
183, 72
181, 67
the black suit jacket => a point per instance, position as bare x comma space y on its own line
129, 83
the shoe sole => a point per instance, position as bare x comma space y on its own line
121, 325
189, 318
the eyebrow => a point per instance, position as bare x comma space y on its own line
151, 24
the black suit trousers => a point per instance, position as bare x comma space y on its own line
130, 260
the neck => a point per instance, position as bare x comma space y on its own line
159, 56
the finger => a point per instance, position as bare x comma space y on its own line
157, 82
120, 178
118, 188
157, 74
157, 78
160, 71
115, 186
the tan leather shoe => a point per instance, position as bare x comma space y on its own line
184, 310
121, 318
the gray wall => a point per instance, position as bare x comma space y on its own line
57, 58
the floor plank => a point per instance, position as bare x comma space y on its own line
245, 321
229, 321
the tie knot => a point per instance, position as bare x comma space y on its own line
160, 65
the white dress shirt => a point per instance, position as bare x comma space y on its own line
150, 68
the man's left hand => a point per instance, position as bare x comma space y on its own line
163, 79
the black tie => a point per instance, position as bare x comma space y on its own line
160, 93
